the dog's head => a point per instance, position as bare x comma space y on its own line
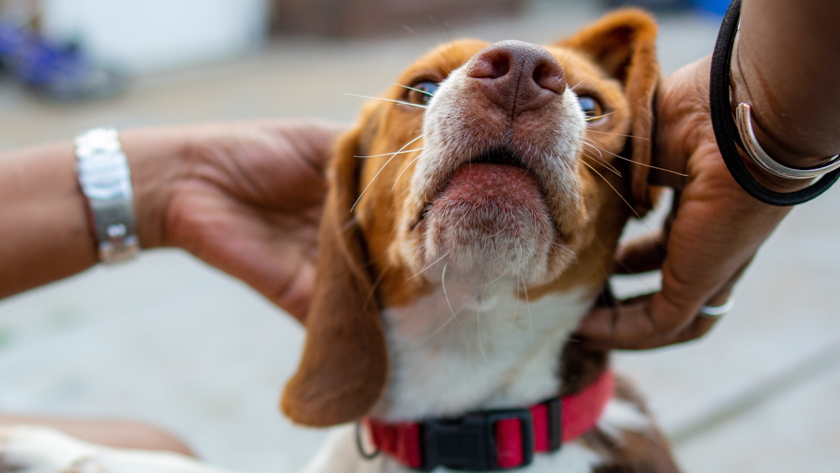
504, 157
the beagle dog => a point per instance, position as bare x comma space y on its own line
472, 220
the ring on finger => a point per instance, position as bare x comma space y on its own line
717, 311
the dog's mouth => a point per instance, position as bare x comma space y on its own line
488, 215
502, 156
497, 178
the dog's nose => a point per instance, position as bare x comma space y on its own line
517, 76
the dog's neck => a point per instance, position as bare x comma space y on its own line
468, 347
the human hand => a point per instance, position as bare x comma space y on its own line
243, 197
711, 236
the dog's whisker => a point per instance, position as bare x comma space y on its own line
478, 329
528, 305
501, 255
640, 164
427, 267
403, 172
652, 166
600, 160
491, 282
350, 224
592, 144
500, 231
445, 324
443, 284
618, 134
603, 163
601, 151
389, 154
380, 170
619, 195
447, 35
581, 82
412, 88
591, 119
568, 168
516, 314
388, 100
563, 66
614, 111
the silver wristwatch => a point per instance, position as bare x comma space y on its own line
106, 182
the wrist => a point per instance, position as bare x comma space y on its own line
780, 129
770, 132
157, 159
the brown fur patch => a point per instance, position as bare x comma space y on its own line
580, 367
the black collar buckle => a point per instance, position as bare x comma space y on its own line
469, 442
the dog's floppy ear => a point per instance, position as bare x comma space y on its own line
344, 365
623, 43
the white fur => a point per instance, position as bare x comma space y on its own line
499, 352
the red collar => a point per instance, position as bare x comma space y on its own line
494, 440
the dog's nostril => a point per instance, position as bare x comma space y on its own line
549, 75
491, 64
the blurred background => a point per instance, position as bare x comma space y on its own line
171, 341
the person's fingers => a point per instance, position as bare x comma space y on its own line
633, 316
690, 262
650, 321
641, 255
699, 327
295, 297
709, 240
626, 326
313, 139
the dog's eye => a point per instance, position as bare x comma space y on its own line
591, 107
421, 93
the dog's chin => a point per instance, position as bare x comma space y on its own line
491, 220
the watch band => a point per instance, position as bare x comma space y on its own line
106, 182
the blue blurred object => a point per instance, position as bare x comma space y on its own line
718, 7
60, 72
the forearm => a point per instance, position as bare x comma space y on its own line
45, 232
786, 66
